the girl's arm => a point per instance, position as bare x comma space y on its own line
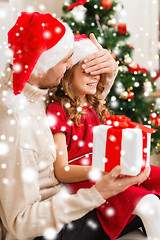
63, 171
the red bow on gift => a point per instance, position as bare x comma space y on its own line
78, 2
137, 69
155, 118
121, 121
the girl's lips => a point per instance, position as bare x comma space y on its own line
92, 84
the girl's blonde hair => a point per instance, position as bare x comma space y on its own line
64, 94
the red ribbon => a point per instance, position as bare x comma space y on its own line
137, 69
155, 119
121, 121
114, 139
78, 2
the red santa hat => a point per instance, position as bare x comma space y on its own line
83, 47
39, 42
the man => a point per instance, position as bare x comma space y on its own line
32, 202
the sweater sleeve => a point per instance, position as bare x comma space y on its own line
25, 215
58, 118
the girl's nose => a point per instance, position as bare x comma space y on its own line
97, 77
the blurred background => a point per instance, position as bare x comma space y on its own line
136, 24
142, 17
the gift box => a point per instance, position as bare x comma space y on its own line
121, 142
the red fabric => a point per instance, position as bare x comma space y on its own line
122, 28
137, 69
144, 152
77, 3
155, 119
123, 204
121, 121
113, 148
28, 41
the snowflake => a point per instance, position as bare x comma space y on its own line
10, 111
30, 9
81, 143
110, 212
42, 7
145, 150
4, 149
123, 152
70, 226
116, 124
5, 180
50, 233
68, 105
29, 175
104, 160
92, 224
3, 165
11, 139
3, 137
67, 168
90, 144
79, 109
51, 120
17, 67
109, 122
94, 174
47, 34
63, 128
42, 164
112, 138
85, 162
60, 152
58, 29
75, 137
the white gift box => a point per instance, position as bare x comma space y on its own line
128, 152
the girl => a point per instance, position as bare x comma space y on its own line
76, 108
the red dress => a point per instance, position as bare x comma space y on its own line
116, 212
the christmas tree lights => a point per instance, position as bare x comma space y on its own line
129, 94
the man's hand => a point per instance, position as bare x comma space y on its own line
112, 184
100, 62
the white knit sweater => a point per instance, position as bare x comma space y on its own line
31, 198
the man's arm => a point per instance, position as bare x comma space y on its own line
103, 63
26, 215
114, 183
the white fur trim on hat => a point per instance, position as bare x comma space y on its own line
54, 55
82, 49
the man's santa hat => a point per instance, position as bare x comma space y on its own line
39, 42
83, 47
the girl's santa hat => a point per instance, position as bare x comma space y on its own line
39, 42
83, 47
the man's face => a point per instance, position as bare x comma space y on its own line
54, 75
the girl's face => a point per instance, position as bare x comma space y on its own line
84, 83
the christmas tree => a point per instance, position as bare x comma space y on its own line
133, 84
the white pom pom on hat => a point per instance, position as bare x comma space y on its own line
83, 47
